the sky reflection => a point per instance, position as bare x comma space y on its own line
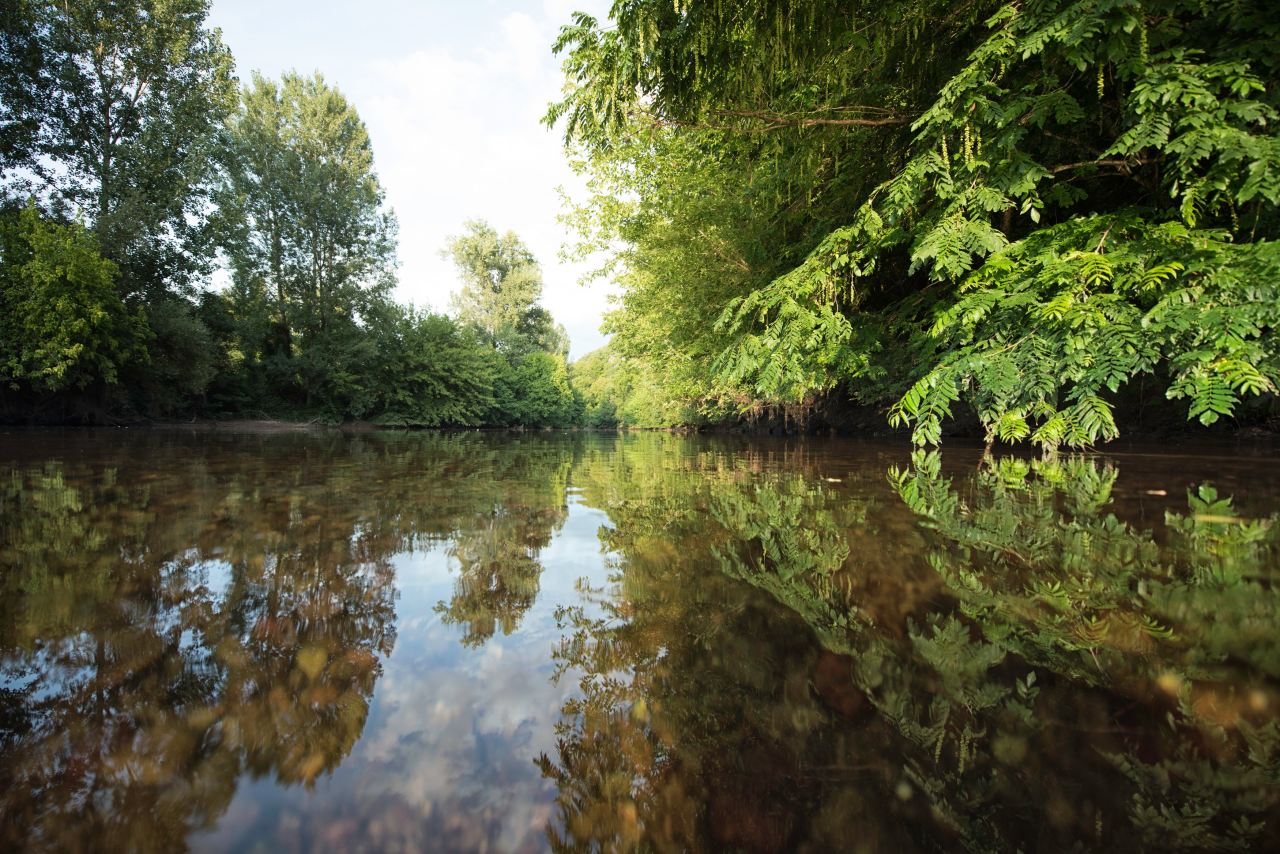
489, 642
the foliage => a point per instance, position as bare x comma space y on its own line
126, 115
620, 392
110, 117
430, 372
21, 84
533, 391
1053, 323
182, 359
501, 286
1041, 175
312, 251
127, 99
62, 325
307, 230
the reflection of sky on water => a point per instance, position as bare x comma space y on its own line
447, 755
789, 651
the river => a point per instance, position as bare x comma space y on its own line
239, 641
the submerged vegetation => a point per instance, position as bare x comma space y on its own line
1048, 213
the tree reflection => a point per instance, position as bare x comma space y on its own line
499, 571
785, 656
708, 718
1165, 637
175, 614
1007, 665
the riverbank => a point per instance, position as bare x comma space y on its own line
853, 423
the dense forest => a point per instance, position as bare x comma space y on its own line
1047, 219
135, 164
1043, 220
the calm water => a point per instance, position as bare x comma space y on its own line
288, 642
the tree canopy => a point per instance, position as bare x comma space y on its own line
1017, 208
134, 164
1042, 218
130, 97
62, 325
502, 286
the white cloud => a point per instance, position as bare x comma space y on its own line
454, 117
458, 135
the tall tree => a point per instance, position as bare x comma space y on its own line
308, 234
311, 244
132, 93
347, 237
257, 206
502, 284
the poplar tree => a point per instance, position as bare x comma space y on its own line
311, 243
502, 284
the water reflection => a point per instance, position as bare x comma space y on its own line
457, 642
1020, 668
1156, 652
177, 617
146, 668
497, 557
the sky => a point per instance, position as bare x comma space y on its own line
452, 92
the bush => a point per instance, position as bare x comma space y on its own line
63, 327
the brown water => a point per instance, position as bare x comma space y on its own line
466, 642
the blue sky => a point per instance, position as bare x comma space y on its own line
452, 93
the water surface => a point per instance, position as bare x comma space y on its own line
220, 641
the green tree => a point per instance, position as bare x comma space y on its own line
628, 392
62, 325
23, 84
182, 357
109, 112
136, 92
312, 246
918, 203
533, 391
501, 286
430, 372
257, 206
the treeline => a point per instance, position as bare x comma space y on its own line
134, 164
1046, 215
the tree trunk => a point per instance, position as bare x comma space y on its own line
104, 174
285, 335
